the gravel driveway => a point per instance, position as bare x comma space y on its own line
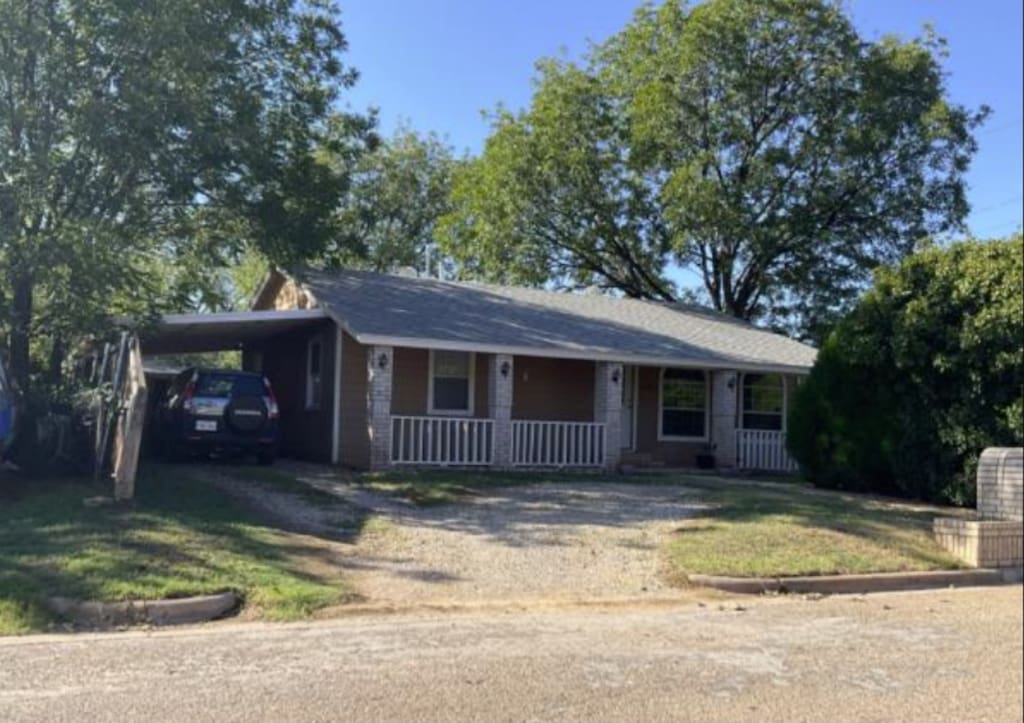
563, 541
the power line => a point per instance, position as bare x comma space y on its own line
996, 206
1003, 127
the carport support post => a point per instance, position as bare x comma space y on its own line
608, 381
500, 380
380, 364
724, 389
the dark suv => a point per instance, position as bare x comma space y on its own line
219, 410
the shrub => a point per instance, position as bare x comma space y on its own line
924, 374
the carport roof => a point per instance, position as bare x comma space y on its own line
188, 333
394, 310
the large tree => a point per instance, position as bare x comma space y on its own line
762, 144
399, 190
142, 145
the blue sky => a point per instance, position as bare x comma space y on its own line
436, 64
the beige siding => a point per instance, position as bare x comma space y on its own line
411, 383
670, 453
553, 389
355, 437
305, 433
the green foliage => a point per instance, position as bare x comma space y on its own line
182, 536
923, 375
398, 192
761, 143
143, 147
553, 198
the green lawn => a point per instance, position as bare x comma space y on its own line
750, 528
179, 537
425, 488
775, 530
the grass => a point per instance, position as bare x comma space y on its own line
753, 530
179, 537
276, 479
425, 488
763, 527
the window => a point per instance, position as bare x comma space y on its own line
684, 404
451, 382
314, 372
764, 401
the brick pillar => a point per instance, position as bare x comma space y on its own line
724, 391
608, 380
380, 363
499, 399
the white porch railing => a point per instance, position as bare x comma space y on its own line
443, 441
763, 449
557, 444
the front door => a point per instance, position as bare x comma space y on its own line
628, 406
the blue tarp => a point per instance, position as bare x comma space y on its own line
6, 412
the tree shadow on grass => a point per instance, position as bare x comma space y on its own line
869, 525
179, 537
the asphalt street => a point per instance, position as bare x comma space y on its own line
929, 656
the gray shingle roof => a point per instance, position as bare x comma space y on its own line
408, 311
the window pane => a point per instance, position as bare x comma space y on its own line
763, 393
682, 423
247, 386
451, 364
214, 385
451, 394
754, 420
691, 375
683, 394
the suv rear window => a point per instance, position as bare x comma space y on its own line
249, 386
230, 385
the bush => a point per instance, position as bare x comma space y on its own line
923, 375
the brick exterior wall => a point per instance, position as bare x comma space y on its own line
996, 538
499, 395
1001, 484
982, 543
608, 380
724, 397
378, 403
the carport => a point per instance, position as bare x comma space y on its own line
192, 333
249, 332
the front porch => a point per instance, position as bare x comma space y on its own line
447, 408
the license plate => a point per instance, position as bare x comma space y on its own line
206, 425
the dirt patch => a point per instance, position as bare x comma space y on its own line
541, 542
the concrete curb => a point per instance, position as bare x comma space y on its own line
847, 584
154, 612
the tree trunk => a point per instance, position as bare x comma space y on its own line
21, 330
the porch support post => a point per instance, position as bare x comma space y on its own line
608, 381
380, 364
501, 374
724, 394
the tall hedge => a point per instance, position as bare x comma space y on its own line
924, 374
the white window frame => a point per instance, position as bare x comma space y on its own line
662, 437
472, 386
313, 400
785, 400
